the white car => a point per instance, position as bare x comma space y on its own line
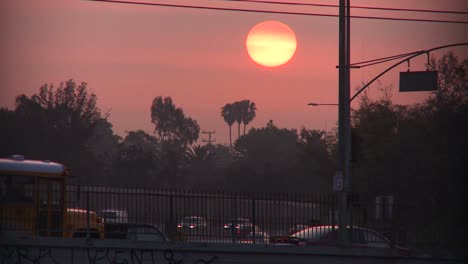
114, 216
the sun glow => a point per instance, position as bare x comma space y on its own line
271, 43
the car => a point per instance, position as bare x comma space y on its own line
114, 216
192, 222
138, 232
243, 230
236, 223
256, 238
296, 228
76, 224
327, 235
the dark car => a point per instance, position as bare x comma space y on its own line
141, 232
236, 223
328, 236
243, 230
192, 223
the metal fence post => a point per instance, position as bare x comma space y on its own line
253, 219
233, 216
88, 220
172, 226
333, 221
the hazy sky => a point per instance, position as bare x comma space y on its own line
129, 54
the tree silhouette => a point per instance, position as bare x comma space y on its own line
199, 153
237, 112
453, 82
202, 169
248, 112
417, 154
227, 112
175, 131
58, 124
171, 124
264, 156
137, 158
242, 112
314, 155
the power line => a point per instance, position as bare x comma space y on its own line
388, 57
363, 64
355, 7
382, 61
278, 12
209, 136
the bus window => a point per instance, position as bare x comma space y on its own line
3, 188
17, 189
16, 204
50, 211
56, 194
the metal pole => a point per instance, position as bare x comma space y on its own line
254, 222
341, 112
347, 90
343, 116
88, 220
347, 170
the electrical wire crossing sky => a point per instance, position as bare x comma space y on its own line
195, 51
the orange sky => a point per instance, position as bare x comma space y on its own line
130, 54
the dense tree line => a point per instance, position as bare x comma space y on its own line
417, 154
61, 124
395, 148
66, 125
414, 153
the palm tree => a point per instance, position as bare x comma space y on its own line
238, 112
199, 153
227, 112
248, 112
313, 139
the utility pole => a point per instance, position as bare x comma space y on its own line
344, 117
209, 136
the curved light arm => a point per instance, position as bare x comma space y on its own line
402, 61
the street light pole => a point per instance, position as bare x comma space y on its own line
348, 178
344, 122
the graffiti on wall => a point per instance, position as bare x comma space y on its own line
17, 254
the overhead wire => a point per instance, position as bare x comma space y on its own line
363, 64
353, 7
381, 61
277, 12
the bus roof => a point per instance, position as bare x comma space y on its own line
18, 165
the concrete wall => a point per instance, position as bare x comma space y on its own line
62, 250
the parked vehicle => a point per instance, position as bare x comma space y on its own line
261, 238
140, 232
328, 236
114, 216
192, 222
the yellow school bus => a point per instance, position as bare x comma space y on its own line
32, 201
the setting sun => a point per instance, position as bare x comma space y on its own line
271, 43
